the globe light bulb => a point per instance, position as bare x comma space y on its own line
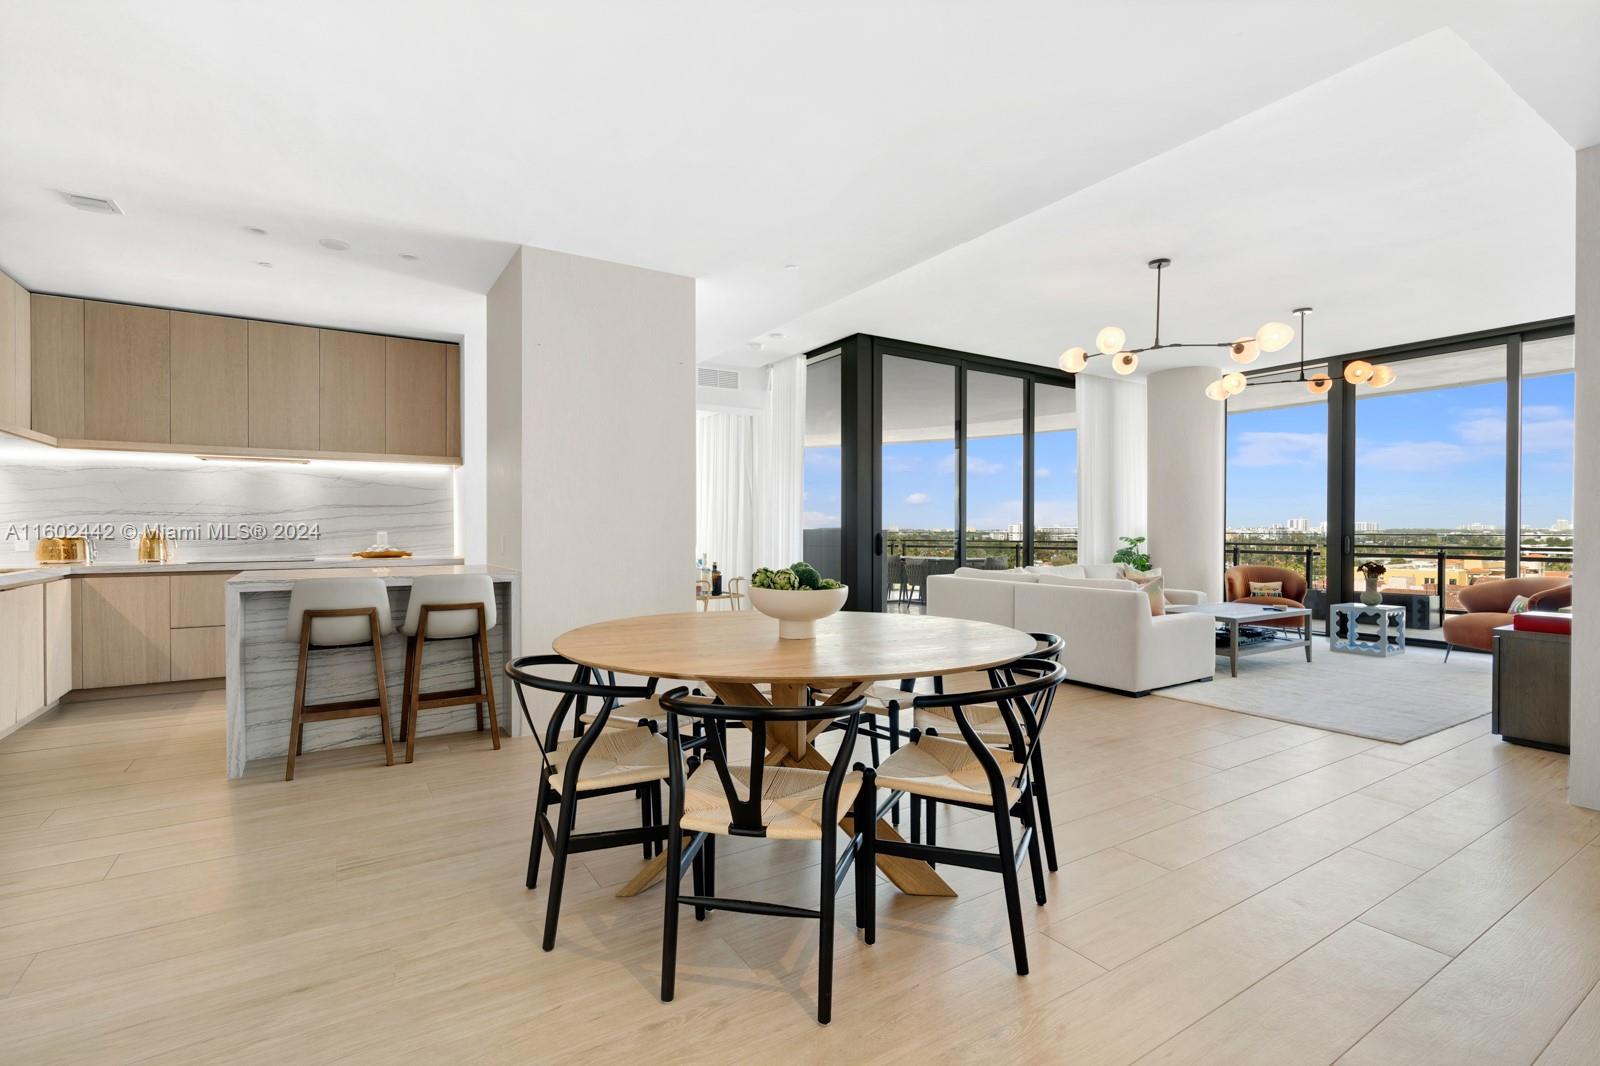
1274, 336
1382, 375
1233, 383
1317, 384
1215, 391
1245, 350
1110, 340
1074, 360
1358, 372
1125, 363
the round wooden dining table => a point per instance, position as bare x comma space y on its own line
733, 652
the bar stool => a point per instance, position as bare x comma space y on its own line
449, 607
338, 613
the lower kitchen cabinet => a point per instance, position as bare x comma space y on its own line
21, 654
198, 653
126, 630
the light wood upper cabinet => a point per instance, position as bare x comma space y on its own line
57, 640
126, 633
210, 380
58, 366
15, 354
353, 367
414, 397
285, 380
452, 399
127, 373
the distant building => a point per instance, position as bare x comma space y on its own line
1368, 527
1561, 525
1298, 525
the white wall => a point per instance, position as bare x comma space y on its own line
1186, 441
1583, 781
471, 478
599, 415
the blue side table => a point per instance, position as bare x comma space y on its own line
1344, 631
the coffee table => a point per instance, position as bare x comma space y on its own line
1234, 615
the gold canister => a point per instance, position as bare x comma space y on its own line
154, 547
62, 550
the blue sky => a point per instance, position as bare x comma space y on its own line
1423, 459
920, 483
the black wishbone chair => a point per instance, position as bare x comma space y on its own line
991, 726
599, 761
968, 772
780, 802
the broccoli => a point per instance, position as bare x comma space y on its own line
806, 575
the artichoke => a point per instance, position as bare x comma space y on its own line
806, 575
830, 583
785, 580
762, 578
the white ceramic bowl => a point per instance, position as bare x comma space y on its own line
797, 610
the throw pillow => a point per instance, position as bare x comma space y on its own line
1266, 588
1518, 605
1151, 585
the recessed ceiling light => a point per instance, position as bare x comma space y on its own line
102, 205
334, 244
256, 230
775, 336
263, 263
754, 346
791, 266
409, 257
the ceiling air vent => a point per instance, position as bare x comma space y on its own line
102, 205
711, 377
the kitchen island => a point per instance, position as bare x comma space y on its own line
261, 664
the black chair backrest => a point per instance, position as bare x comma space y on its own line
746, 809
1050, 646
1023, 691
584, 684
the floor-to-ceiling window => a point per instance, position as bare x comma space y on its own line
1546, 482
921, 485
1055, 474
1430, 479
995, 474
822, 513
1277, 483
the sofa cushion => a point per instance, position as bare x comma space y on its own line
995, 575
1069, 570
1266, 588
1103, 570
1475, 630
1086, 582
1151, 586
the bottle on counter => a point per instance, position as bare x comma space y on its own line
716, 580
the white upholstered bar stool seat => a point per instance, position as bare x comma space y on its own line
338, 613
449, 607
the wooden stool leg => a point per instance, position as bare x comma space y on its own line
383, 694
487, 676
297, 723
477, 671
415, 683
405, 688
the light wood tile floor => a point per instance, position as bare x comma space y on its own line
1233, 890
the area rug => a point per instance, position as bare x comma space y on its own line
1397, 699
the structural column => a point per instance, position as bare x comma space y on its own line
1583, 781
1187, 435
590, 440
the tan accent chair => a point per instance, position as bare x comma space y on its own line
1236, 589
1488, 606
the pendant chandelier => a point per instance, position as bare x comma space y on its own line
1112, 341
1356, 372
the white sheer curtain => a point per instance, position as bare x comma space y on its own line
724, 501
1113, 474
780, 448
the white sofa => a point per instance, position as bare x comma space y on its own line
1111, 639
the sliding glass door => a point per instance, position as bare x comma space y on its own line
1055, 474
995, 475
920, 484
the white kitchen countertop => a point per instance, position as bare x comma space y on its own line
37, 573
282, 580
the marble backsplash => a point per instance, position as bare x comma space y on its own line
222, 510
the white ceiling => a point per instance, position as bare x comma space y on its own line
726, 138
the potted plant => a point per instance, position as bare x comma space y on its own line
1372, 570
797, 596
1130, 555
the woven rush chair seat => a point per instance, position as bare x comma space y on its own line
985, 719
946, 769
791, 801
631, 756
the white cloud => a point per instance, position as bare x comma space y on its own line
1271, 448
916, 499
818, 520
1483, 428
1416, 456
1041, 471
983, 467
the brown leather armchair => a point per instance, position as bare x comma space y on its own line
1236, 588
1488, 607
